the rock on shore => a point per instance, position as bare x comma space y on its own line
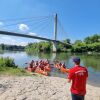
40, 88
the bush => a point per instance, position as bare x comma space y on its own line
7, 62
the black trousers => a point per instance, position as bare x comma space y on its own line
77, 97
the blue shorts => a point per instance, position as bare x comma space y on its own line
77, 97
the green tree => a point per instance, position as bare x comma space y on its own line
92, 39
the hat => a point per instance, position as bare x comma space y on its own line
76, 59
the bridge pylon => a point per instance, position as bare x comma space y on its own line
55, 34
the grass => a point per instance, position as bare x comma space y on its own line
9, 71
8, 67
13, 71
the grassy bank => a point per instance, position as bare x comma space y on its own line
13, 71
8, 67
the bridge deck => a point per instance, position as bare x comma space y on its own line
29, 36
26, 36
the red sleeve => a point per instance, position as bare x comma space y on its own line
71, 74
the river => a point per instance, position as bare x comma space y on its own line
92, 62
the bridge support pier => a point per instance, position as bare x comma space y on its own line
54, 47
53, 57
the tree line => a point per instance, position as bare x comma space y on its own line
47, 47
89, 44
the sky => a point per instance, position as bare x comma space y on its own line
79, 18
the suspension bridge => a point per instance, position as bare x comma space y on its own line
27, 20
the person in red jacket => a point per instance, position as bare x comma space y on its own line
78, 75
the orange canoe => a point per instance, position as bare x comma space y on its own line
41, 72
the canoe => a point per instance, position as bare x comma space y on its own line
39, 71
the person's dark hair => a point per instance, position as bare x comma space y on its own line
77, 63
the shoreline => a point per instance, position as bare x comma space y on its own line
40, 88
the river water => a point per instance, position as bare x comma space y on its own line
92, 62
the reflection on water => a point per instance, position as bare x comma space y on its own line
92, 62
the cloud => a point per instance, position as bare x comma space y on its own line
35, 34
36, 40
31, 33
23, 27
16, 41
1, 23
11, 41
6, 38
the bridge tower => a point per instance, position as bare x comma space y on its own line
55, 34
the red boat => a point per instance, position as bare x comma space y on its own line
41, 72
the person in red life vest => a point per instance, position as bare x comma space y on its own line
31, 64
78, 75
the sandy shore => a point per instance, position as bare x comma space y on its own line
40, 88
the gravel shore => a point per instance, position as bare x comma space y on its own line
40, 88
